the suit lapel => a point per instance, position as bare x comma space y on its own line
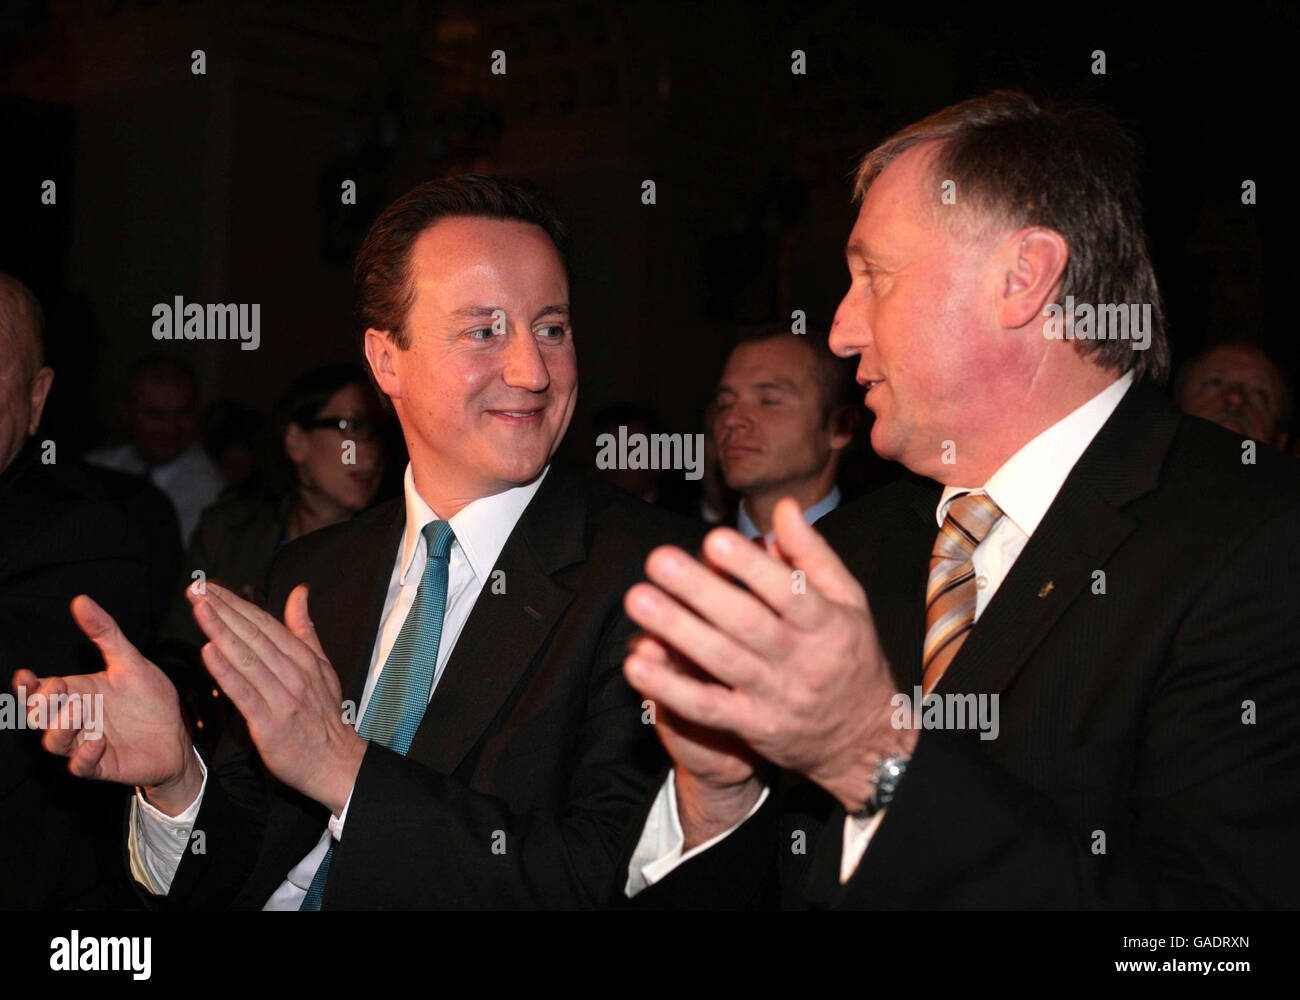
504, 631
362, 586
897, 597
886, 546
1083, 526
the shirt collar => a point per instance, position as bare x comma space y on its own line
481, 527
1026, 484
823, 506
746, 526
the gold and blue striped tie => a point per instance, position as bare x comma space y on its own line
950, 593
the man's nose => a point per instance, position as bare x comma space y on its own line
736, 416
525, 368
1234, 394
849, 334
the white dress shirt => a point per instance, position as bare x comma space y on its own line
158, 841
191, 480
1023, 487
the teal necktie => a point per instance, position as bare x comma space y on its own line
401, 696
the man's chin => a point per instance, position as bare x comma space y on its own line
883, 444
522, 470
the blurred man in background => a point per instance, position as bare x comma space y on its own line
161, 416
784, 412
1238, 386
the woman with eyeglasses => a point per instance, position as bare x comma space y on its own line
325, 463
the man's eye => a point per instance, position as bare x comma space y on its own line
482, 333
553, 331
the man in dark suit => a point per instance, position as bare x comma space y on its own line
62, 532
1077, 683
454, 731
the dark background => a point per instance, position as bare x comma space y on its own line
225, 187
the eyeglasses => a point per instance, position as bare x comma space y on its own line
359, 428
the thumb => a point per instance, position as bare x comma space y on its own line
102, 630
803, 548
299, 622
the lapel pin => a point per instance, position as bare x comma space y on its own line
1048, 587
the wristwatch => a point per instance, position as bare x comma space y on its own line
884, 782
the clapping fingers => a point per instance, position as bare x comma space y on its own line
802, 545
300, 624
717, 600
696, 700
86, 755
239, 667
774, 582
48, 706
679, 626
273, 643
270, 672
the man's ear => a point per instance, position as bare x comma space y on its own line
380, 352
844, 424
40, 393
1033, 261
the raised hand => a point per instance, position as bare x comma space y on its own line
136, 735
288, 692
800, 674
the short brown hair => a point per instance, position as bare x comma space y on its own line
1068, 167
836, 376
382, 274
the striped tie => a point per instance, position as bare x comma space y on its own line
401, 696
950, 594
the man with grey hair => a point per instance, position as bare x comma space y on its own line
1076, 683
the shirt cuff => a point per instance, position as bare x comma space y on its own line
336, 822
659, 851
857, 835
156, 842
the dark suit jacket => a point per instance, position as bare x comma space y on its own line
1149, 746
62, 533
530, 759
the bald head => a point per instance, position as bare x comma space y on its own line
24, 379
22, 324
1238, 386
